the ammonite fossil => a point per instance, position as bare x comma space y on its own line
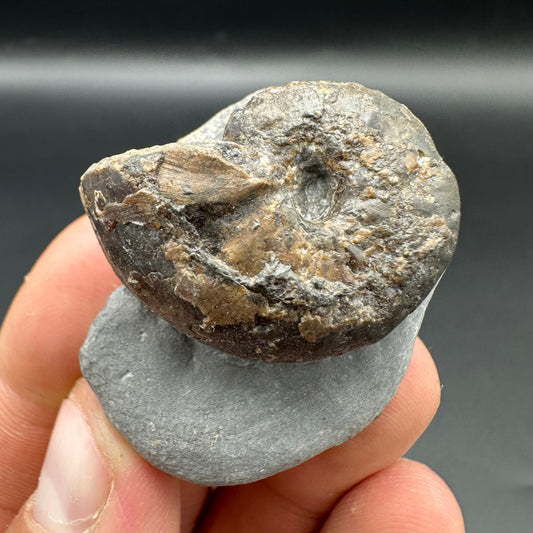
299, 223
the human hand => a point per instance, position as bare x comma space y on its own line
93, 479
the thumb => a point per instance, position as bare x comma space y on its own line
92, 479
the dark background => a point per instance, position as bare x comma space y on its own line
79, 82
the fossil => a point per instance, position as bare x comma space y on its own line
299, 223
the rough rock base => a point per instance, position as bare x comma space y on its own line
215, 419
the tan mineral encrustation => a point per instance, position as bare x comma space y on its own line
302, 222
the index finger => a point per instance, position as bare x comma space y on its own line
51, 313
39, 344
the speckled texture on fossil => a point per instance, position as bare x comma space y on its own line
301, 222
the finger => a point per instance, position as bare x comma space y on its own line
193, 500
296, 500
51, 313
39, 343
406, 496
92, 478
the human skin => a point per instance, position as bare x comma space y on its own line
96, 477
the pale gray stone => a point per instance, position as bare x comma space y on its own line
216, 419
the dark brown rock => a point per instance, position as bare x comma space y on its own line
302, 222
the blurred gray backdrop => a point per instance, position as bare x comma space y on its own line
71, 94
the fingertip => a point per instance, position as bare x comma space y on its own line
416, 402
74, 261
75, 480
423, 371
406, 496
93, 479
404, 419
433, 501
142, 498
425, 364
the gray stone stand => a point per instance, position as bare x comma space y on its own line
215, 419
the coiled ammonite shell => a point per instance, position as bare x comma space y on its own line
299, 223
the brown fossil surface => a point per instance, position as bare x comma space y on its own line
299, 223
